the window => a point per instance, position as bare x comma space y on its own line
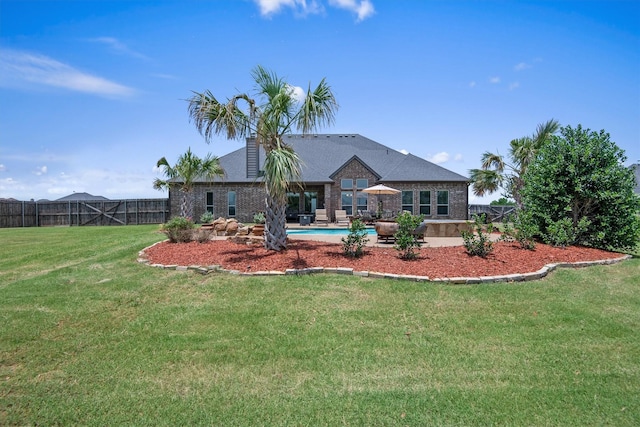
209, 202
407, 201
361, 201
362, 183
310, 201
231, 201
293, 205
443, 203
346, 184
425, 202
346, 201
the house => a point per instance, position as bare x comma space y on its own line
636, 170
335, 170
80, 197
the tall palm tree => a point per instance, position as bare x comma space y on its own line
187, 169
279, 114
497, 173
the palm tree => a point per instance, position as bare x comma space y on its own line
279, 114
187, 169
522, 152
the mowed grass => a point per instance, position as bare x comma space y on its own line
88, 336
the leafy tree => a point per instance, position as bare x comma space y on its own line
496, 172
184, 173
406, 240
279, 114
477, 241
502, 201
353, 245
578, 191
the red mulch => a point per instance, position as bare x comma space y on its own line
438, 262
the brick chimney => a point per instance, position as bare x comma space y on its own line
253, 157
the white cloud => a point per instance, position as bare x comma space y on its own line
19, 67
297, 92
472, 84
494, 80
514, 85
457, 157
2, 167
271, 7
521, 66
438, 157
362, 8
42, 170
403, 151
118, 47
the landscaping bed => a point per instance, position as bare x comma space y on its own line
440, 262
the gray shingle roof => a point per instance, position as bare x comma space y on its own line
80, 196
322, 155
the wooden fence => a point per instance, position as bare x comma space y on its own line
83, 212
495, 213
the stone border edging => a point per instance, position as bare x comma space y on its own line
523, 277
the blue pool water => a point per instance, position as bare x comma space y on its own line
325, 231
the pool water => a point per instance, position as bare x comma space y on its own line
325, 231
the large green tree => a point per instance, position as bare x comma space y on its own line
577, 191
272, 112
497, 172
184, 173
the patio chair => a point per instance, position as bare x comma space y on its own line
420, 231
366, 217
341, 217
321, 217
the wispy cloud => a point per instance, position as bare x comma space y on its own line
514, 85
494, 80
362, 8
18, 68
2, 167
522, 66
439, 157
118, 47
41, 170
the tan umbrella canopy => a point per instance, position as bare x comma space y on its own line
380, 189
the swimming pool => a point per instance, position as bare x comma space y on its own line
325, 231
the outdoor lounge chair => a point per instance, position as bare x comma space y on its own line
321, 217
342, 218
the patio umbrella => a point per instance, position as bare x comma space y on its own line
380, 190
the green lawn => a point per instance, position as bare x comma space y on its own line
89, 336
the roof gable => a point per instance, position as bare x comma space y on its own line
351, 160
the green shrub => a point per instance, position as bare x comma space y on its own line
179, 229
562, 233
353, 245
206, 217
259, 218
406, 240
478, 243
519, 228
579, 192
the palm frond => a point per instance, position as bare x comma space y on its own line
318, 108
485, 181
491, 160
281, 169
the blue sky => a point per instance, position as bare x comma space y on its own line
92, 93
